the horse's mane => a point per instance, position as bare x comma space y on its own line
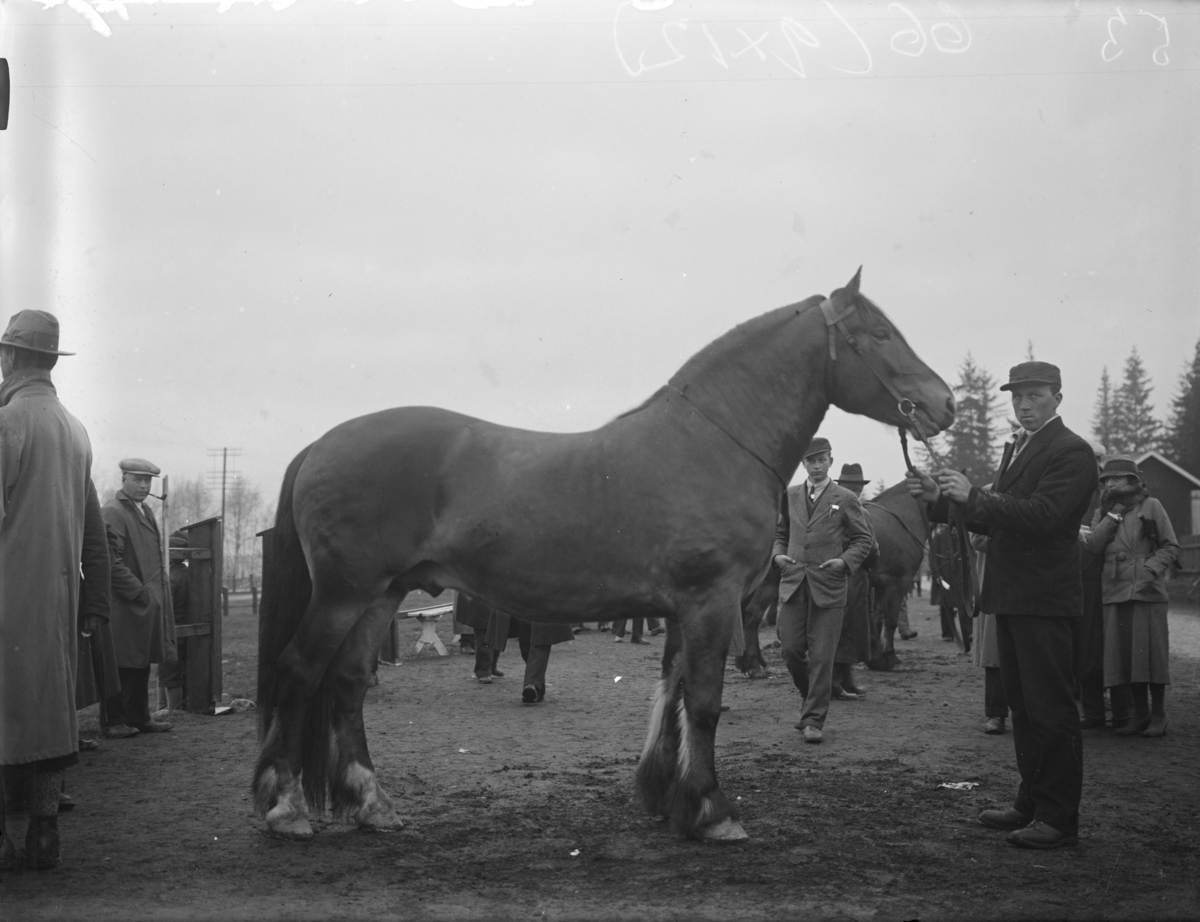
730, 341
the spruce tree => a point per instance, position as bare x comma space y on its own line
1102, 422
969, 444
1135, 430
1182, 441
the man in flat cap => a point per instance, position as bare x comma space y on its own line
819, 545
45, 473
141, 605
1032, 585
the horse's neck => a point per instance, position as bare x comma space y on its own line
763, 383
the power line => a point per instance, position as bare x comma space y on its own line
222, 475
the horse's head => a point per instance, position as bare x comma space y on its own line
873, 371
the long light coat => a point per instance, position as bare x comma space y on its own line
838, 527
1135, 564
45, 469
141, 605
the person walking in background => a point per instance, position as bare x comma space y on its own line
493, 629
822, 543
45, 472
141, 614
639, 629
1135, 536
854, 642
1032, 584
985, 652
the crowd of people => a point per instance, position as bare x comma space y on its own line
85, 600
1073, 558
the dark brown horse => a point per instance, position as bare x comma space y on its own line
900, 530
667, 511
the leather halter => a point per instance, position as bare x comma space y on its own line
837, 319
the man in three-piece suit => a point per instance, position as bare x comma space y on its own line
821, 543
1032, 585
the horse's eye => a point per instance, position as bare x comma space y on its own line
883, 334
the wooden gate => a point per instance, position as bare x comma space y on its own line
200, 639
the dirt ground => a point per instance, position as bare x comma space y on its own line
529, 812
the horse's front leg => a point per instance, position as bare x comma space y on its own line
690, 697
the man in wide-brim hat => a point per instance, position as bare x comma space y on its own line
45, 469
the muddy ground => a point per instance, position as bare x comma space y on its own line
529, 812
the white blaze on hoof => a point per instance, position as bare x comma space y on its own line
375, 810
289, 817
297, 827
725, 831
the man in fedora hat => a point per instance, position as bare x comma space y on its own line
45, 472
141, 606
819, 545
854, 643
1032, 585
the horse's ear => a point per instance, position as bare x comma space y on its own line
852, 285
842, 295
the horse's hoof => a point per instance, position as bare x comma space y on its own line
725, 831
879, 664
297, 828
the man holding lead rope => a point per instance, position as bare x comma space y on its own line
1032, 584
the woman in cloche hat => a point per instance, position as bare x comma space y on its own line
1135, 536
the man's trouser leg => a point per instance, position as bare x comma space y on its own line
1037, 670
793, 636
994, 702
537, 658
824, 628
135, 686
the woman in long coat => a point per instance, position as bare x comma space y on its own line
1135, 537
492, 630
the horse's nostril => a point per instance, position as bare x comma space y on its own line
950, 403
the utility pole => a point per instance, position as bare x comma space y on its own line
225, 454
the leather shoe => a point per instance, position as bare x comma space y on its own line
1134, 726
88, 745
1009, 818
1091, 723
994, 725
1158, 727
840, 694
497, 673
1038, 835
812, 734
484, 679
154, 726
118, 732
640, 640
42, 850
654, 632
910, 635
530, 695
66, 802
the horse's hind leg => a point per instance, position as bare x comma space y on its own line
356, 793
279, 783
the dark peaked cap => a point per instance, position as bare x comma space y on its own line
1033, 373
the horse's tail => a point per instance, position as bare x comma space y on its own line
287, 589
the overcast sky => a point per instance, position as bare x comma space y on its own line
258, 222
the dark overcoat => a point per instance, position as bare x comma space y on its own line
97, 678
141, 604
1032, 517
495, 627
